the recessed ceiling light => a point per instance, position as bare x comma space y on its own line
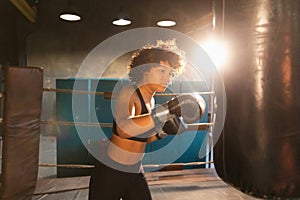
121, 22
166, 23
70, 17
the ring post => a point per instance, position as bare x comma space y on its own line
21, 131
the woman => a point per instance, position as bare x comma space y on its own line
137, 123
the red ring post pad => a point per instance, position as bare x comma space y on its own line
21, 131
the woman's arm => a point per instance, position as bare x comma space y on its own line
127, 115
152, 138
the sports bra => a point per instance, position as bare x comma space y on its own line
143, 137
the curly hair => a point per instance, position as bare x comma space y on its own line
149, 56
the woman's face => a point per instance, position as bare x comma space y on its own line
159, 76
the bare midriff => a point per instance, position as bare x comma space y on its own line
125, 151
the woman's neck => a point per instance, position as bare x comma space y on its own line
146, 91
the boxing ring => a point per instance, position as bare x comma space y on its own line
19, 164
21, 137
21, 131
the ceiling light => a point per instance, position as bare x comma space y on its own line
122, 18
121, 22
70, 13
70, 17
166, 23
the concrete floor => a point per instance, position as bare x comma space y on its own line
193, 184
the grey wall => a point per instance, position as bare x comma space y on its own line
61, 54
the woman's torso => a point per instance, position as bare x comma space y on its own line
130, 150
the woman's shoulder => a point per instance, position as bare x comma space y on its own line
125, 99
128, 91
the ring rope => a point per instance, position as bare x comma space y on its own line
194, 126
72, 91
176, 164
109, 93
145, 166
69, 123
75, 166
176, 94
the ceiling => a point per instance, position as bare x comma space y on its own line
97, 15
192, 17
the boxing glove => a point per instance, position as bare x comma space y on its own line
172, 126
191, 107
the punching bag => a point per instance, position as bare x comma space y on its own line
258, 151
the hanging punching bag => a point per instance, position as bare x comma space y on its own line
259, 149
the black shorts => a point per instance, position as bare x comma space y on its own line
107, 183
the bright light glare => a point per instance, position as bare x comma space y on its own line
166, 23
121, 22
70, 17
217, 51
